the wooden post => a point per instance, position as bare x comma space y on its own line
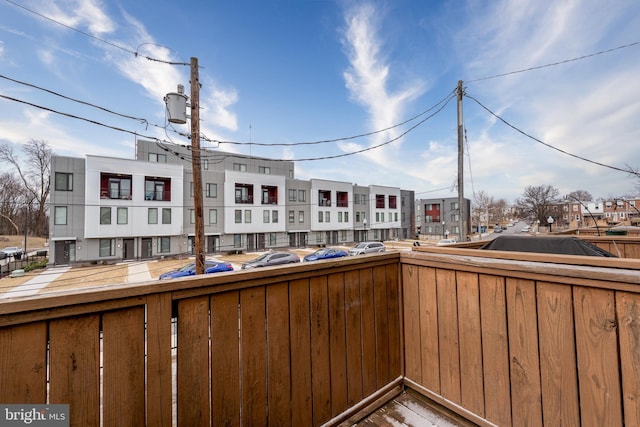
195, 162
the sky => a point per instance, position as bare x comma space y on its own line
551, 88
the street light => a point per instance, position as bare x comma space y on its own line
550, 221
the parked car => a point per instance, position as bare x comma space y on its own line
325, 253
12, 251
366, 248
525, 229
190, 269
445, 242
272, 258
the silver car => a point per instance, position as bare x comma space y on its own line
366, 248
272, 258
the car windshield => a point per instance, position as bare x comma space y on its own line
321, 252
361, 245
187, 267
261, 257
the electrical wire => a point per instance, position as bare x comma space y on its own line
628, 171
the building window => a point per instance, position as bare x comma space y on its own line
238, 216
264, 169
269, 195
342, 199
242, 167
379, 201
302, 195
212, 190
164, 244
213, 216
152, 216
356, 199
339, 216
237, 240
346, 217
300, 216
377, 216
123, 215
290, 174
357, 216
327, 216
396, 216
343, 235
191, 189
292, 217
292, 195
166, 215
105, 215
324, 198
320, 216
205, 164
247, 216
272, 239
192, 216
107, 247
115, 186
265, 216
64, 181
60, 215
393, 202
244, 193
274, 216
157, 188
364, 199
157, 158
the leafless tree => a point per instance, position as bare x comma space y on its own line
582, 195
11, 201
536, 201
33, 171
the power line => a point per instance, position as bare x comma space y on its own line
554, 63
629, 171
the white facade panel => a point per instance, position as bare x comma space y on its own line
330, 211
252, 215
137, 208
387, 217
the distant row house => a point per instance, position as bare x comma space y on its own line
576, 214
106, 209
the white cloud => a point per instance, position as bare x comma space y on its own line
80, 14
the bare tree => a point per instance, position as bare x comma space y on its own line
537, 200
582, 195
34, 171
11, 201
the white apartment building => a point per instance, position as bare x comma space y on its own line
109, 209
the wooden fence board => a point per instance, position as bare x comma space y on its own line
471, 376
300, 321
253, 357
558, 368
368, 324
320, 359
353, 322
383, 343
75, 367
23, 363
159, 382
124, 367
628, 306
412, 331
495, 349
394, 299
193, 362
448, 335
523, 349
278, 355
428, 330
337, 343
596, 344
225, 359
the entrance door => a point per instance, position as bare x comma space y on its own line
128, 249
261, 242
146, 251
213, 244
251, 242
62, 249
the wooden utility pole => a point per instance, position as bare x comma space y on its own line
195, 162
463, 231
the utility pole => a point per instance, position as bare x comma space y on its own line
195, 162
463, 231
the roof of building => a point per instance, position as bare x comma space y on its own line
566, 245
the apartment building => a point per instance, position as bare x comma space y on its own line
106, 209
440, 218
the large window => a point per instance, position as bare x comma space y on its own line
152, 216
292, 217
164, 244
324, 198
264, 169
105, 215
115, 186
265, 216
393, 203
157, 188
302, 195
237, 240
212, 190
157, 158
123, 216
247, 216
238, 216
64, 181
274, 216
244, 193
292, 195
300, 216
269, 195
242, 167
379, 201
60, 215
213, 216
342, 199
166, 215
107, 247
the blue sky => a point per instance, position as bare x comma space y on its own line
291, 71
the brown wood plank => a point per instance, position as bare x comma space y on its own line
225, 359
369, 355
337, 343
193, 362
495, 349
278, 355
159, 388
320, 359
448, 335
394, 308
353, 323
628, 307
23, 363
411, 306
428, 338
598, 367
75, 367
300, 324
253, 357
382, 327
558, 367
124, 366
471, 373
523, 349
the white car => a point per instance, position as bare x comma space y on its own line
525, 229
12, 251
366, 248
445, 242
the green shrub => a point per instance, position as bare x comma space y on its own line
36, 265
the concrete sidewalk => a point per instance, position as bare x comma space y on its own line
36, 283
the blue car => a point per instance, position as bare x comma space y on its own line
190, 269
325, 253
